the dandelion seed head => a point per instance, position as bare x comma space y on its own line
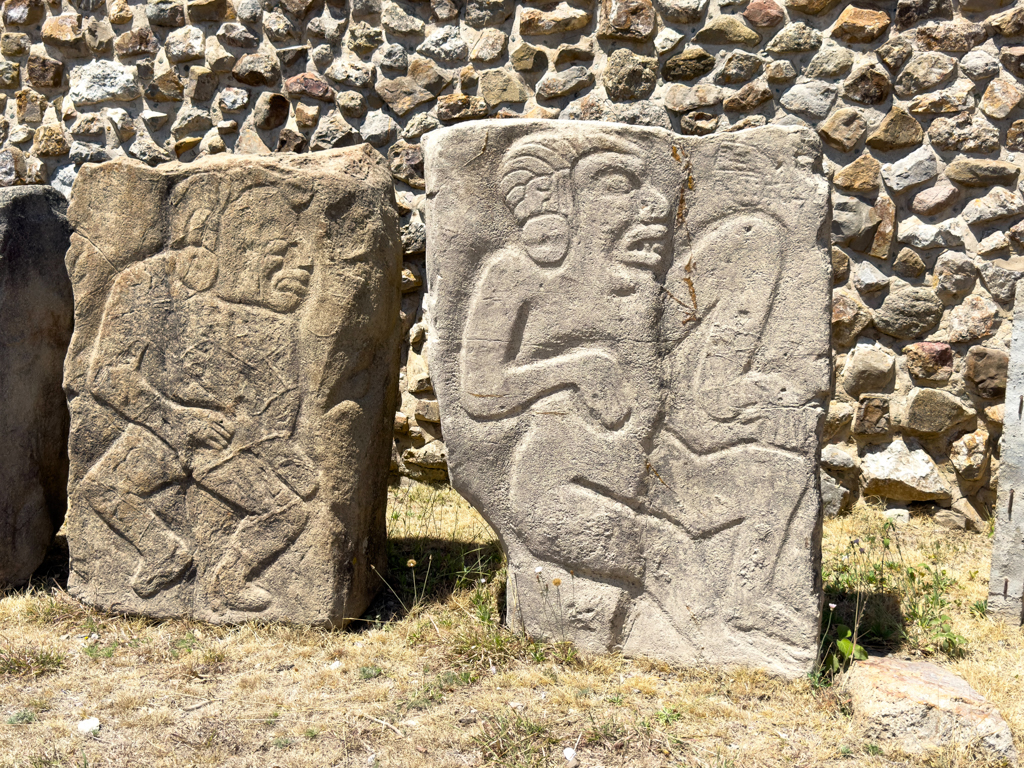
557, 582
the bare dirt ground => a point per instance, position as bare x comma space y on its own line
430, 677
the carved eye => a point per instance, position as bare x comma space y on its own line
618, 182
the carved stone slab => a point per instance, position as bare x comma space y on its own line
630, 352
232, 382
35, 327
1006, 584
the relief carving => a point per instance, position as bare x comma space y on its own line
625, 351
209, 388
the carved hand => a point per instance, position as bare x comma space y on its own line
605, 390
192, 428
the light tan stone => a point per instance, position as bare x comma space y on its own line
645, 462
232, 383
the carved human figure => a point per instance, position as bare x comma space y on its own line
729, 457
198, 351
595, 233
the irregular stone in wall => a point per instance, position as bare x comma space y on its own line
932, 412
986, 371
843, 129
813, 99
764, 13
955, 99
1008, 24
929, 361
749, 97
849, 318
867, 85
488, 13
924, 72
1000, 203
217, 359
908, 313
935, 199
522, 267
101, 81
973, 319
976, 172
908, 264
869, 368
36, 317
727, 30
560, 19
692, 63
626, 20
910, 12
964, 133
830, 62
896, 472
979, 65
860, 25
628, 76
872, 416
1000, 98
860, 177
1000, 282
795, 38
898, 130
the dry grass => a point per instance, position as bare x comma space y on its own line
431, 679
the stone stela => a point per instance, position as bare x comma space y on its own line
232, 381
1006, 584
630, 349
36, 315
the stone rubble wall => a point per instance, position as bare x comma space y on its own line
916, 101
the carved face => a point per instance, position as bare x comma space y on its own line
619, 212
263, 259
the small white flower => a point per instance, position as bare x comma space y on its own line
538, 569
569, 753
831, 606
483, 581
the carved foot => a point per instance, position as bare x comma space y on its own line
153, 575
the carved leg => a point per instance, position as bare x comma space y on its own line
130, 490
255, 544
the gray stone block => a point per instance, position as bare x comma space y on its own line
36, 314
629, 348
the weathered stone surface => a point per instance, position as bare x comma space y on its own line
36, 317
976, 172
1006, 587
867, 278
1000, 98
986, 371
101, 81
964, 133
739, 67
829, 62
947, 234
557, 84
533, 225
853, 222
1000, 203
628, 76
908, 264
956, 36
849, 318
931, 412
843, 129
924, 72
909, 12
860, 25
872, 416
795, 38
682, 11
957, 98
727, 30
271, 111
869, 368
914, 169
1000, 282
908, 313
749, 97
626, 20
812, 7
44, 72
979, 65
898, 129
935, 199
920, 708
692, 63
811, 98
232, 383
929, 361
499, 86
867, 85
895, 52
860, 177
562, 18
257, 69
764, 13
896, 472
954, 273
973, 319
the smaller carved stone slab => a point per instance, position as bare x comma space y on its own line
232, 382
35, 327
1006, 584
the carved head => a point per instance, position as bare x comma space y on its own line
596, 195
263, 258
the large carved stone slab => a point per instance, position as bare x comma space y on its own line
35, 328
232, 381
1006, 583
630, 352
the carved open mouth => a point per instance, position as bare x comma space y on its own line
646, 245
291, 281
